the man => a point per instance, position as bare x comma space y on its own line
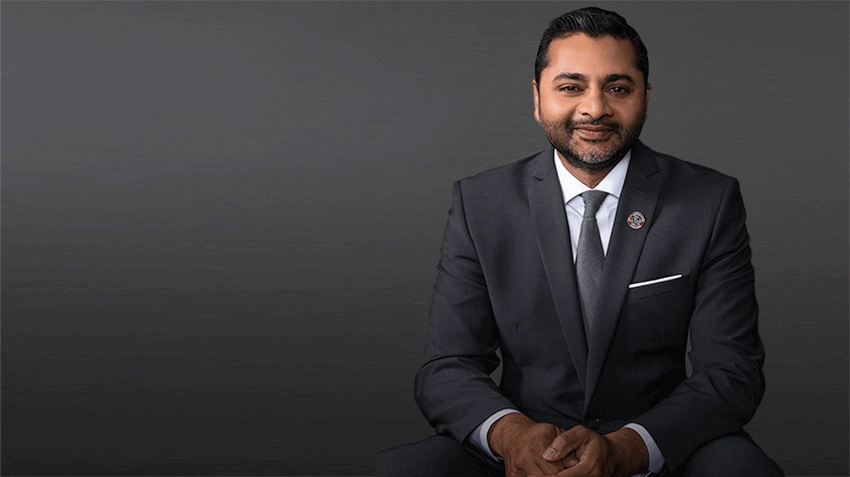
588, 266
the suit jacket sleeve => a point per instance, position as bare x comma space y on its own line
727, 383
453, 388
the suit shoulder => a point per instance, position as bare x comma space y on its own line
514, 175
691, 174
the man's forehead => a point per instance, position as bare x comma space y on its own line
580, 54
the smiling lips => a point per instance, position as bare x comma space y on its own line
593, 133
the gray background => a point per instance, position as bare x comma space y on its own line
221, 221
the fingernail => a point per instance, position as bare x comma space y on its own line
550, 453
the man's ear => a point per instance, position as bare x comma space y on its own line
536, 101
646, 95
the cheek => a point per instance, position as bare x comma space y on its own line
556, 110
631, 112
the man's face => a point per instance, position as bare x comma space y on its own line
591, 100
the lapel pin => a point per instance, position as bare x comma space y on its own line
636, 220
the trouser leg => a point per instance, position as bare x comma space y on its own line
436, 456
735, 455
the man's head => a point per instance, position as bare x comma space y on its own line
593, 22
590, 89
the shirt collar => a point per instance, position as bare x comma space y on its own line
612, 183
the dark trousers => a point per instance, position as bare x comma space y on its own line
439, 456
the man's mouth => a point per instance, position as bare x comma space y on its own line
593, 133
594, 128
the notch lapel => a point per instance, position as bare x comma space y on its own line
549, 217
640, 194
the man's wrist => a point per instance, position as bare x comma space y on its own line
630, 455
504, 429
478, 437
656, 458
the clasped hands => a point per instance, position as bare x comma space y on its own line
535, 449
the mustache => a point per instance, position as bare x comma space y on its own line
570, 125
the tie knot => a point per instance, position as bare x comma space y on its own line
592, 200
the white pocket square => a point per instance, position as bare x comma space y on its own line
653, 282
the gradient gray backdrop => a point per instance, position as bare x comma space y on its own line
221, 221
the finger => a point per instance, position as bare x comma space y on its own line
569, 461
542, 468
587, 461
582, 469
528, 466
565, 443
576, 433
556, 449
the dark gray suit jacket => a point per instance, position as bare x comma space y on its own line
506, 281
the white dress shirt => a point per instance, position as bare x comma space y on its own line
572, 188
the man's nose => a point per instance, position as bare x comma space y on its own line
595, 105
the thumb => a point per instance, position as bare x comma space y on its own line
557, 450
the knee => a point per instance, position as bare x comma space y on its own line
410, 460
432, 457
391, 462
731, 456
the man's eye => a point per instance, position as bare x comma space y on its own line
569, 87
619, 89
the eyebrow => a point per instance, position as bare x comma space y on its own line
580, 77
572, 76
619, 76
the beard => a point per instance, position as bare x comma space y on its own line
592, 155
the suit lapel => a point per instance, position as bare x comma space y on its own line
640, 194
546, 203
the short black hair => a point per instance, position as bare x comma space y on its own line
593, 22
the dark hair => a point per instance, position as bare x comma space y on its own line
593, 22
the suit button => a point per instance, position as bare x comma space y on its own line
592, 423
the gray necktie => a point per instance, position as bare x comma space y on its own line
589, 259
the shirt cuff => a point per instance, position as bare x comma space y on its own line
656, 460
479, 435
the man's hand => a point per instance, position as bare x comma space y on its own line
521, 442
619, 454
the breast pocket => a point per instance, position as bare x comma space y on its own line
657, 314
658, 286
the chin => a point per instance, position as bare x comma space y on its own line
593, 159
595, 156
